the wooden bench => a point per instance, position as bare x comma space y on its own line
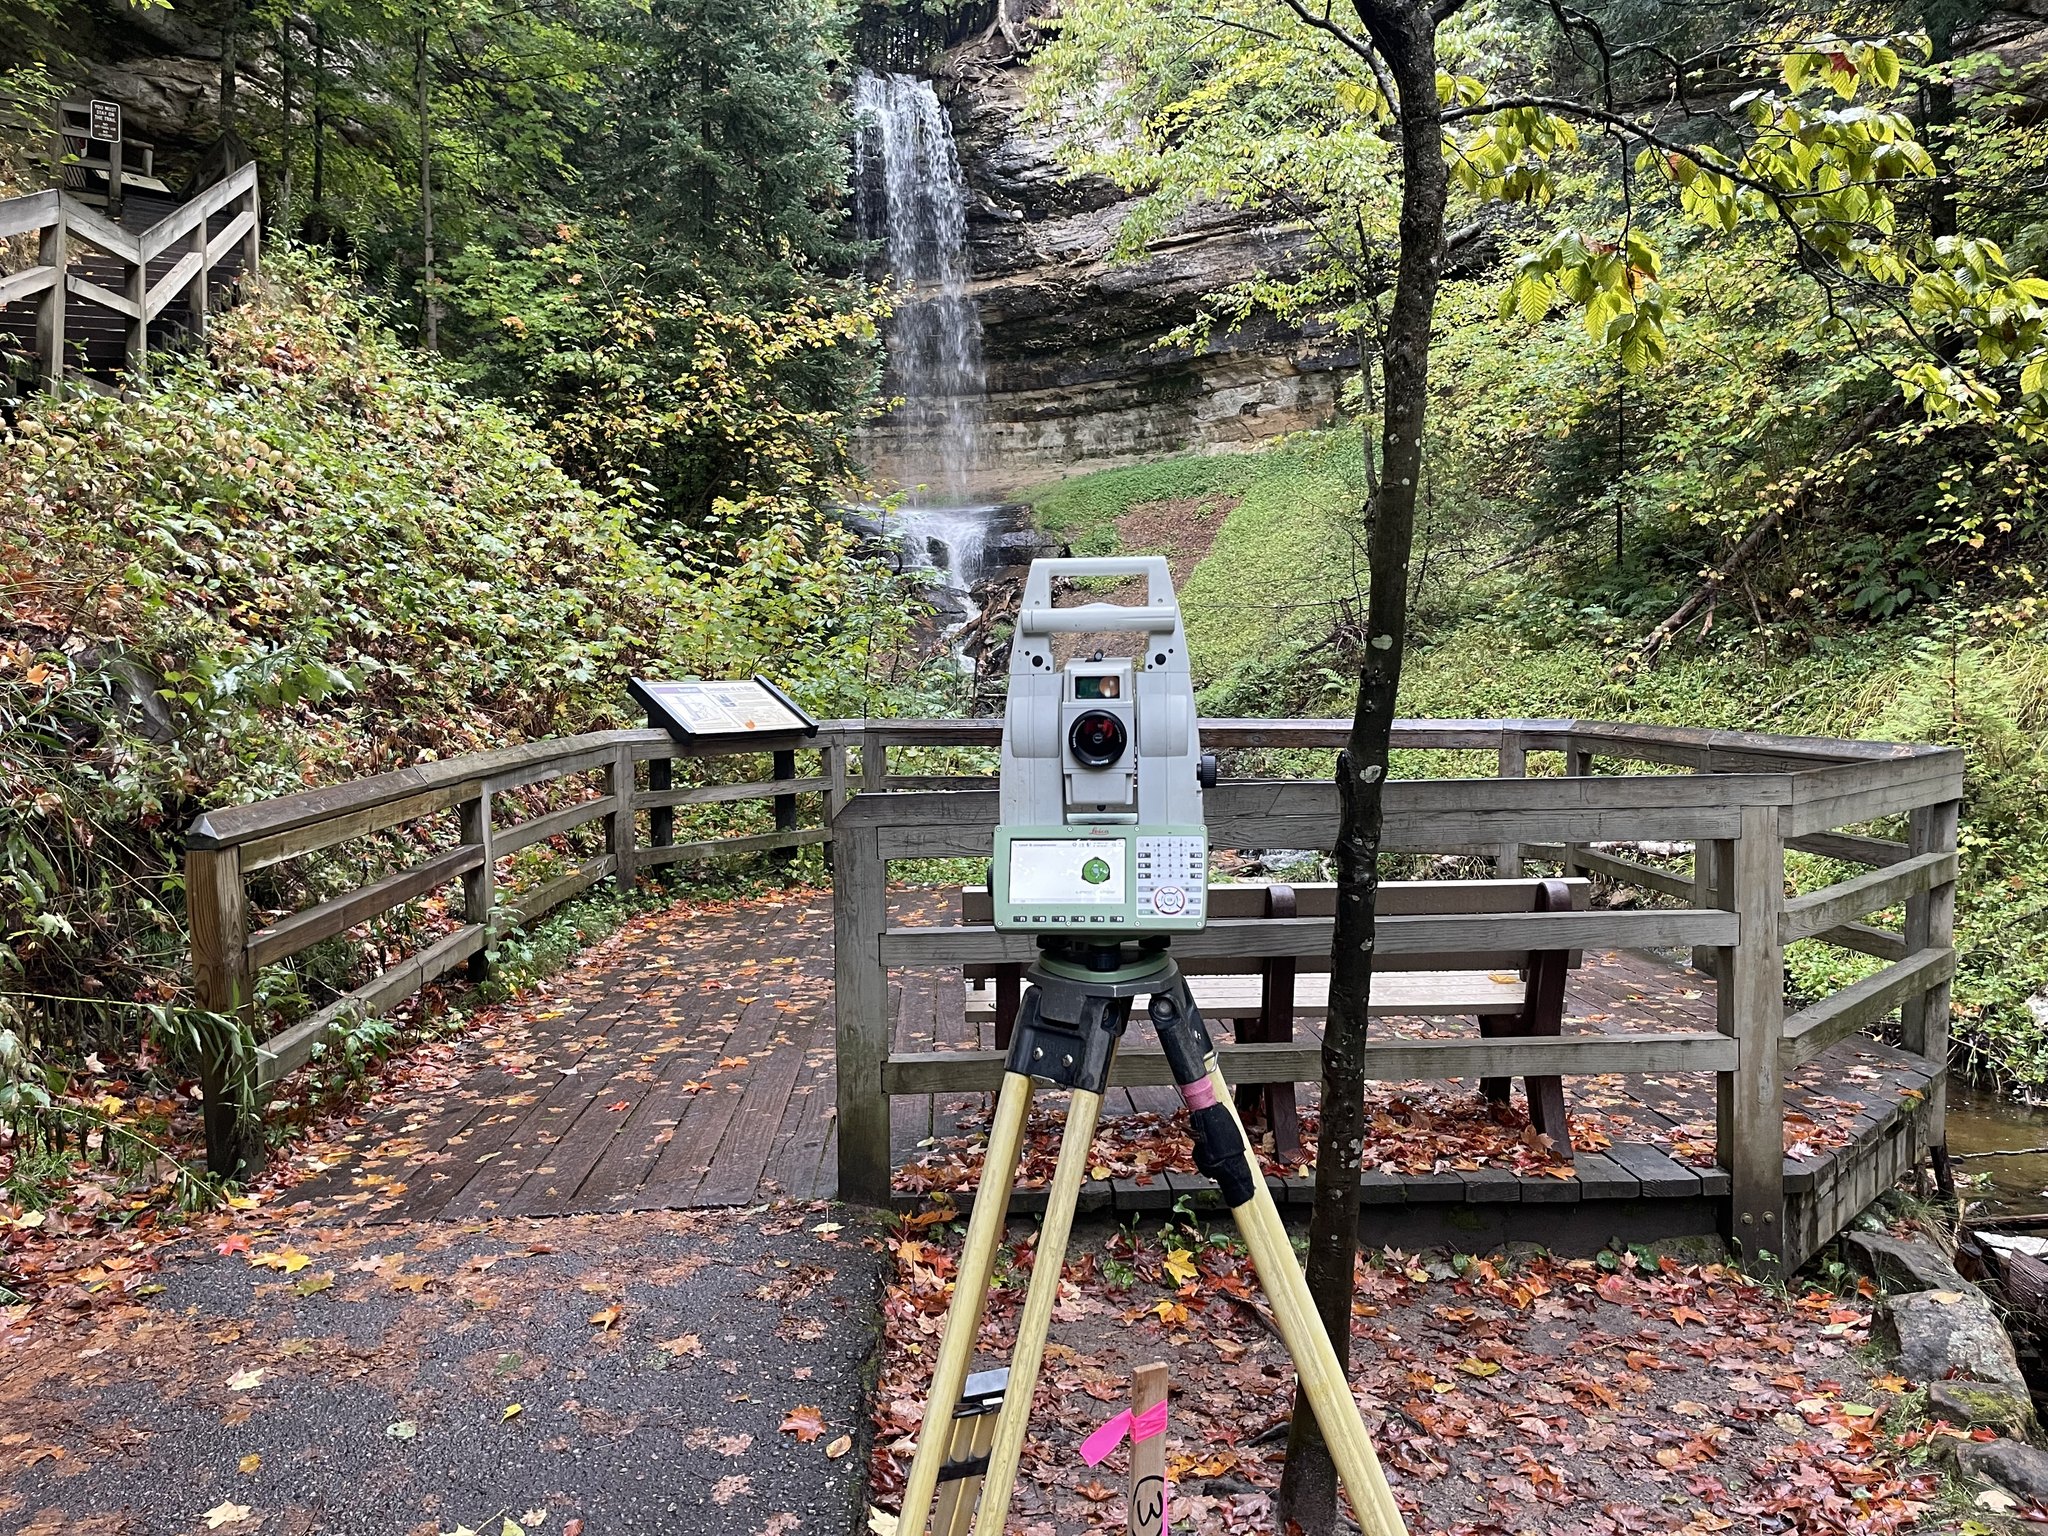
1509, 993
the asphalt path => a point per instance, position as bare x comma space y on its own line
633, 1372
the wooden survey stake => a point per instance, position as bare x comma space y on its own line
1148, 1456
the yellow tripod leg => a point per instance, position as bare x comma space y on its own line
1014, 1419
1315, 1359
970, 1292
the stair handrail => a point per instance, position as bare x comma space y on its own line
56, 216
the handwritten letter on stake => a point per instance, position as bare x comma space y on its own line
1145, 1423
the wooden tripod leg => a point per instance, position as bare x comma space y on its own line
1315, 1359
1076, 1145
970, 1291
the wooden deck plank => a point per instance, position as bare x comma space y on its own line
753, 981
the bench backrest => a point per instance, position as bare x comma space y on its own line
1397, 898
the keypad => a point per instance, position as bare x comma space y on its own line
1173, 876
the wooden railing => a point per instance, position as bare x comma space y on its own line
60, 221
225, 847
1745, 800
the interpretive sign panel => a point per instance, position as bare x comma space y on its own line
691, 708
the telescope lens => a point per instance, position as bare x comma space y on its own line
1098, 739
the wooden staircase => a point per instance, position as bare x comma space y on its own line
102, 294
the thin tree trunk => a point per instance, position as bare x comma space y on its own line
319, 113
1942, 19
287, 52
230, 36
1404, 33
430, 309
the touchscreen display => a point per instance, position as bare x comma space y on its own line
1067, 872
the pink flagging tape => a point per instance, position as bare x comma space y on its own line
1199, 1094
1144, 1426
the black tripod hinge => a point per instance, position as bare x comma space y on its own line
1074, 1050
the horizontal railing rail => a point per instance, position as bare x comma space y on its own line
1738, 800
228, 844
59, 220
1736, 804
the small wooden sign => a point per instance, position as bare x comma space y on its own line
104, 122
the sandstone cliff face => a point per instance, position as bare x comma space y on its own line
1074, 380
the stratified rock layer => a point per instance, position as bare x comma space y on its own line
1075, 380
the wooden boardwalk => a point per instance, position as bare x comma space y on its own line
688, 1062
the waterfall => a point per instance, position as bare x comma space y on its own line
912, 202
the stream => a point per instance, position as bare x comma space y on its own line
1981, 1121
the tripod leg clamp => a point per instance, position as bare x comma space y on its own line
1218, 1144
1219, 1149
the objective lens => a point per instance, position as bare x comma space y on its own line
1097, 739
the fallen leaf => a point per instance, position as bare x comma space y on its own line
250, 1462
243, 1380
805, 1422
404, 1429
312, 1285
512, 1411
605, 1317
730, 1487
1179, 1264
839, 1447
225, 1514
1472, 1366
682, 1344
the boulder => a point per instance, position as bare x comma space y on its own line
1939, 1334
1899, 1266
1978, 1404
2017, 1468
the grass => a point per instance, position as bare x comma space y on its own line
1263, 607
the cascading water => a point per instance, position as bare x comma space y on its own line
912, 203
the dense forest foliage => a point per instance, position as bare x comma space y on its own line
1708, 474
551, 376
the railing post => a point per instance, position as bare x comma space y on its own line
1578, 763
52, 252
196, 296
480, 885
1930, 924
618, 822
860, 1012
137, 292
1750, 1004
874, 764
252, 241
661, 819
217, 910
1514, 764
782, 765
1706, 894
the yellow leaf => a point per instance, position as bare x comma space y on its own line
605, 1317
1179, 1265
250, 1462
1472, 1366
512, 1411
225, 1514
